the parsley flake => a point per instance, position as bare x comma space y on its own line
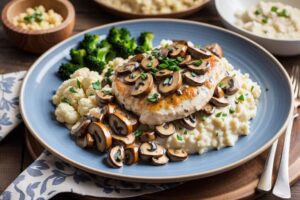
153, 97
138, 133
197, 63
179, 137
96, 85
143, 76
78, 83
72, 90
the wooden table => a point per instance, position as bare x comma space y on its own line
14, 156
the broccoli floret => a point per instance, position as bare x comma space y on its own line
122, 41
95, 64
89, 43
145, 42
66, 69
78, 56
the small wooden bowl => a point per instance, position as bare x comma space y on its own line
41, 40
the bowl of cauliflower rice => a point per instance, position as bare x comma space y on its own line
275, 24
133, 102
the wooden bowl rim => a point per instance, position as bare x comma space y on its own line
132, 15
68, 20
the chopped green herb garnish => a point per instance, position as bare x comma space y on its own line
66, 100
153, 70
219, 114
180, 59
170, 64
36, 16
252, 87
265, 20
138, 133
132, 76
107, 92
72, 90
274, 8
241, 98
143, 76
168, 81
283, 13
78, 83
203, 117
117, 156
185, 132
257, 12
153, 97
179, 137
221, 84
231, 110
197, 63
96, 85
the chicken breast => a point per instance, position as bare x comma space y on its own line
173, 106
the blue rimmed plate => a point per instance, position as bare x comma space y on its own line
274, 107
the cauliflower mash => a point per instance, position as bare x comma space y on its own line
271, 19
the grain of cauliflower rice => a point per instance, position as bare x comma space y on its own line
271, 19
76, 97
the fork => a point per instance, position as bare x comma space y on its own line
282, 187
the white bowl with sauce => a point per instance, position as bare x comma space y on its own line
227, 10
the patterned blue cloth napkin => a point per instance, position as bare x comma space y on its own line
48, 176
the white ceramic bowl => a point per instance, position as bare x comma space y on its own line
283, 47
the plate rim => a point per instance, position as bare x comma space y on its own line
153, 179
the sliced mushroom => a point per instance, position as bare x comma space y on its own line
163, 52
85, 142
101, 134
219, 93
219, 102
96, 116
165, 130
104, 96
149, 62
143, 85
208, 109
189, 122
178, 49
163, 74
137, 58
131, 117
150, 149
120, 124
116, 157
174, 83
147, 136
229, 85
123, 140
131, 78
177, 154
198, 66
162, 160
216, 49
194, 79
186, 60
110, 108
79, 129
131, 155
126, 68
199, 53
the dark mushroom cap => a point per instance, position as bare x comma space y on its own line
218, 92
219, 102
194, 79
178, 49
165, 130
96, 116
186, 60
123, 140
147, 136
174, 83
199, 53
131, 155
79, 129
189, 122
143, 85
162, 160
130, 79
116, 157
177, 154
229, 85
163, 74
120, 124
149, 62
101, 134
137, 58
208, 109
150, 149
126, 68
104, 96
198, 66
216, 49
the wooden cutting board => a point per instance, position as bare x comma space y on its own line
238, 183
